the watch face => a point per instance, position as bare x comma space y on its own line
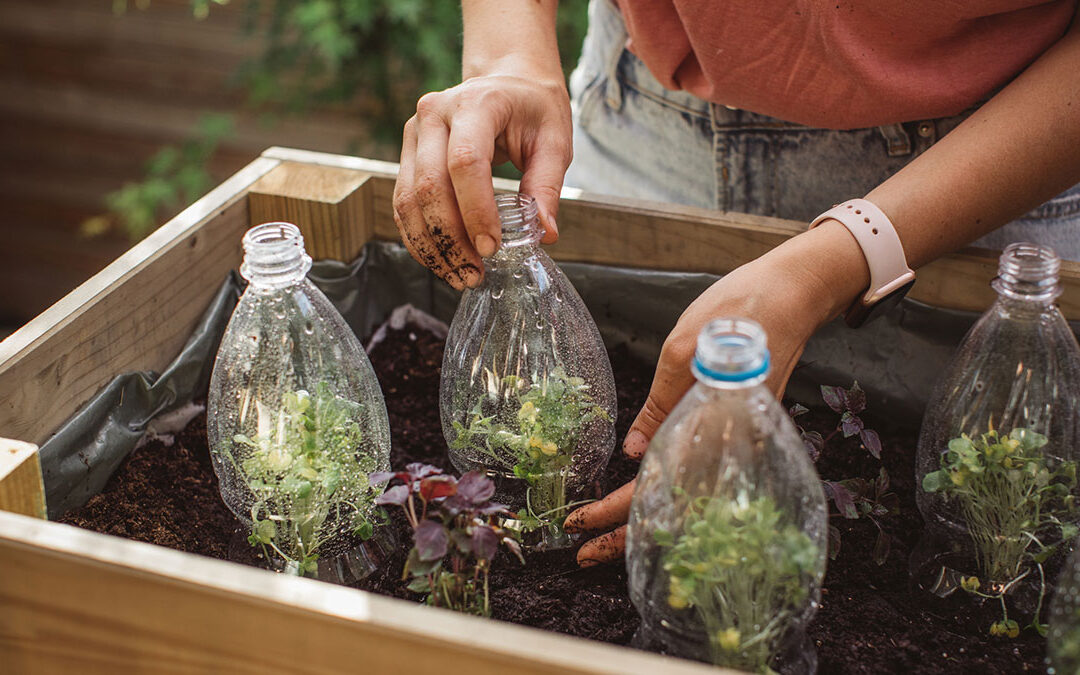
859, 314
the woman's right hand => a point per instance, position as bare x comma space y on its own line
444, 202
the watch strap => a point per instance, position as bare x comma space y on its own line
881, 246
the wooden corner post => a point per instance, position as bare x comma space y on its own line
21, 488
331, 206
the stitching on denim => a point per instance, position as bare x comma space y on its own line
663, 101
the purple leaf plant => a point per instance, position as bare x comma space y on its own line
854, 498
455, 534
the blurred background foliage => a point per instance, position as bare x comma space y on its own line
377, 56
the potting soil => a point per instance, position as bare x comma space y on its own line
870, 620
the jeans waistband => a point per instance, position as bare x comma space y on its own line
606, 53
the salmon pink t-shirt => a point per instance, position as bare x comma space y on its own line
843, 64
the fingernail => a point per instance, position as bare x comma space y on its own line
635, 444
571, 525
485, 245
588, 562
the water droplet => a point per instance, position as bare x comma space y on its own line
496, 294
540, 323
558, 295
517, 274
308, 328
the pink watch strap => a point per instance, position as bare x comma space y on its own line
880, 244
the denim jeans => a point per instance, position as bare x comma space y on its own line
634, 138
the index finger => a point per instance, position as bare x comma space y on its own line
605, 514
470, 151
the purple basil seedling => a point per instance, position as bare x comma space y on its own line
455, 534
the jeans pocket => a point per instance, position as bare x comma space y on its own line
587, 95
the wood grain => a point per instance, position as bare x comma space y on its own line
135, 314
331, 206
21, 488
77, 600
633, 233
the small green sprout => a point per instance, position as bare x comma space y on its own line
743, 567
1018, 508
308, 480
538, 445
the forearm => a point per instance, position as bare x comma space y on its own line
1018, 150
510, 37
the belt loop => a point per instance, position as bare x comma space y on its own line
897, 139
613, 89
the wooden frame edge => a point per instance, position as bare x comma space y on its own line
717, 243
227, 588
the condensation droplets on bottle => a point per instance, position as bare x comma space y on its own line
996, 464
296, 419
527, 393
726, 541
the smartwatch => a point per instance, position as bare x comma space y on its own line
890, 276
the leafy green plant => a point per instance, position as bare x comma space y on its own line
552, 412
308, 482
1017, 506
175, 176
455, 534
741, 566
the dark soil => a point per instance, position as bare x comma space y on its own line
871, 620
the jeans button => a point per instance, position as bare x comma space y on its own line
926, 129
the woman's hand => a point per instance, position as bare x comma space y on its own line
444, 203
790, 291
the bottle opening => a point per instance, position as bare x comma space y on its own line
731, 353
274, 255
519, 217
1028, 272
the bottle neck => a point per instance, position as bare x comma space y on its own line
1028, 273
274, 256
731, 354
520, 221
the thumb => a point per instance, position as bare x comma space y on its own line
671, 381
543, 179
652, 414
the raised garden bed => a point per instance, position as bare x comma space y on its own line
79, 599
870, 621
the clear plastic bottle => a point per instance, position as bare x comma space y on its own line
296, 419
996, 465
726, 542
1063, 638
527, 393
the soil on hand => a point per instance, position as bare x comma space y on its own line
871, 620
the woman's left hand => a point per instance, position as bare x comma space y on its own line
790, 291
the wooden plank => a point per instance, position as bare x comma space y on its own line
21, 488
331, 207
634, 233
75, 599
135, 314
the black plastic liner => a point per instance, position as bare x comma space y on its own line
896, 359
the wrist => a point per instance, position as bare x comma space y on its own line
515, 65
828, 269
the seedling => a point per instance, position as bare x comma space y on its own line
848, 403
1017, 506
310, 484
854, 498
742, 567
455, 534
538, 446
